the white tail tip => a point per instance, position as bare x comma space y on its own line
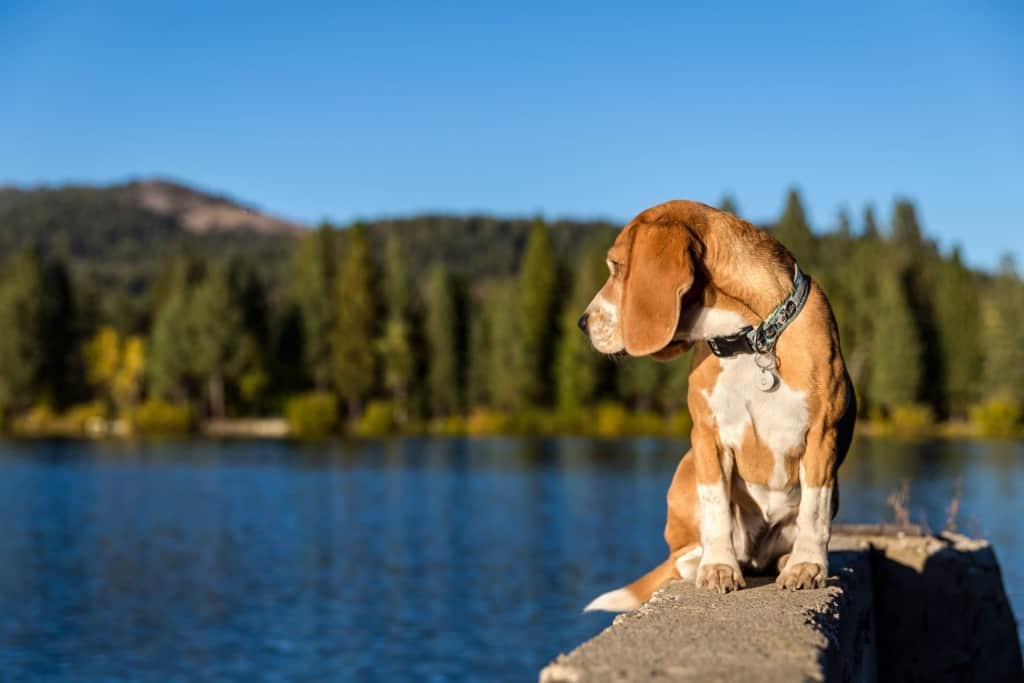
619, 600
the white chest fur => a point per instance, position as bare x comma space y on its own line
777, 417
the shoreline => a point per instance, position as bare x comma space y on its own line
277, 428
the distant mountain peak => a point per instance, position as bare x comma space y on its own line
200, 212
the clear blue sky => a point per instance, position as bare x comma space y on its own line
580, 109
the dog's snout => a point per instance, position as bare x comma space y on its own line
582, 322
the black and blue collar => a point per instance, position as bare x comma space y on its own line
762, 339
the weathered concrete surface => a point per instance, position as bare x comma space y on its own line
897, 607
760, 633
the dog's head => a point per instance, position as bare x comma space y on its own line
651, 268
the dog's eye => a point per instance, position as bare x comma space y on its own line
614, 267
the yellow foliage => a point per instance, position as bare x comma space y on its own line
377, 420
998, 417
156, 416
312, 415
610, 420
36, 420
909, 420
86, 417
103, 357
483, 421
116, 366
127, 383
452, 425
80, 419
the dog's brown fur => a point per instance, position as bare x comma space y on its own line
669, 263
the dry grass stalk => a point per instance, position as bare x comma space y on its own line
953, 509
899, 503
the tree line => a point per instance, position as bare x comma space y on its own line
355, 332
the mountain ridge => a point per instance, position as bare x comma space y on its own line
119, 238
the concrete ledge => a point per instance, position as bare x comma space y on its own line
897, 607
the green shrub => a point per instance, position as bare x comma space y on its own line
159, 417
377, 420
645, 423
312, 415
998, 417
450, 425
910, 420
538, 422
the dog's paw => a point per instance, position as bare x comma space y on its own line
800, 575
722, 578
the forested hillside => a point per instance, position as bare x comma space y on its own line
121, 239
157, 303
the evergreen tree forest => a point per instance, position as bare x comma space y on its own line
358, 329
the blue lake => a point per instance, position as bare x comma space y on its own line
408, 559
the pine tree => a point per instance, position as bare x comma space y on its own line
957, 305
23, 321
313, 290
895, 374
502, 308
920, 264
578, 365
906, 231
174, 338
870, 224
794, 232
354, 322
836, 255
537, 281
844, 228
225, 347
728, 204
396, 353
1003, 334
856, 316
441, 331
397, 284
288, 370
638, 382
478, 392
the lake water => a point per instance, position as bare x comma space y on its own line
410, 559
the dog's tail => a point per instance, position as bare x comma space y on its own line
637, 593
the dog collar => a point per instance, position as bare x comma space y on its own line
762, 339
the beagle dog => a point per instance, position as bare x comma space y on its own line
772, 404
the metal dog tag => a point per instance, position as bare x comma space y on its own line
766, 364
766, 380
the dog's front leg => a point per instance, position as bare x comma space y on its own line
718, 569
807, 566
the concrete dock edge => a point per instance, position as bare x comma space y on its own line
898, 606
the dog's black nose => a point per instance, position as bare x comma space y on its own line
582, 323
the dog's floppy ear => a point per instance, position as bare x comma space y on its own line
659, 272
